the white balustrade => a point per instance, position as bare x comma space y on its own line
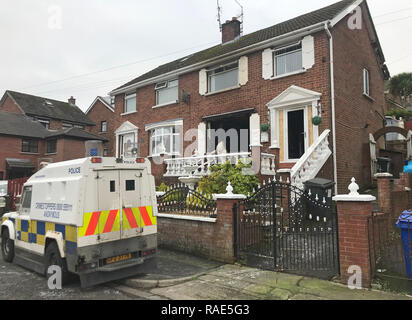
268, 164
200, 165
312, 161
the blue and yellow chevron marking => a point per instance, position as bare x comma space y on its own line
35, 232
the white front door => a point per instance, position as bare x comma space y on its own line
128, 145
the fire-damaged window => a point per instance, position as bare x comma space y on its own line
52, 146
223, 77
30, 146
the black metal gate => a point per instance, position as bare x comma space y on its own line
283, 228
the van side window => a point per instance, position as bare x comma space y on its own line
112, 186
26, 201
130, 185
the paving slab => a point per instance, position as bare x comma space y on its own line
172, 268
233, 282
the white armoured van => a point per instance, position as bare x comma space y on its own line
95, 217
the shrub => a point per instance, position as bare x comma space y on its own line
221, 174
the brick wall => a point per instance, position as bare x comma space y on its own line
352, 53
10, 106
212, 240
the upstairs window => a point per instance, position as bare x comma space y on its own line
130, 103
52, 146
366, 84
223, 77
78, 126
45, 123
67, 125
30, 146
103, 126
165, 140
167, 92
288, 59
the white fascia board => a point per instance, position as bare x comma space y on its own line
345, 12
231, 55
102, 101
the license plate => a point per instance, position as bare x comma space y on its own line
122, 257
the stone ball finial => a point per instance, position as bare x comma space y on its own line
229, 188
353, 188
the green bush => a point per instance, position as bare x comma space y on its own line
398, 113
221, 174
163, 187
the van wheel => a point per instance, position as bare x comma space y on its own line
53, 258
7, 246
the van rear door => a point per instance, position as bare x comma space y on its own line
130, 194
109, 220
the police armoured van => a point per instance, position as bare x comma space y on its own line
95, 217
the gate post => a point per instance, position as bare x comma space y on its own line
354, 211
227, 214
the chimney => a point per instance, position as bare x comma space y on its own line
231, 30
72, 101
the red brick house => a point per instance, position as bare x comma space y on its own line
34, 130
326, 64
103, 114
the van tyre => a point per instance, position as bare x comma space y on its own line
53, 258
7, 246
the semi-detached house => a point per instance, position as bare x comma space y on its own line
315, 82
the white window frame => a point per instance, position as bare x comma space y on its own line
173, 124
166, 85
44, 122
275, 56
66, 125
130, 96
211, 72
366, 82
105, 126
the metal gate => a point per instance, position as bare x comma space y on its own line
283, 228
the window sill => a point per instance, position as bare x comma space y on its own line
50, 154
30, 153
102, 132
368, 97
163, 155
127, 113
223, 90
165, 104
288, 74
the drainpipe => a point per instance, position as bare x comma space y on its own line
332, 97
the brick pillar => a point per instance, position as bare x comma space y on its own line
354, 211
226, 223
384, 191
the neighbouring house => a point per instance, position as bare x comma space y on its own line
52, 114
103, 114
300, 97
36, 130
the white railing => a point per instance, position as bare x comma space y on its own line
200, 165
268, 164
312, 161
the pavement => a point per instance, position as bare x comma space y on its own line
182, 276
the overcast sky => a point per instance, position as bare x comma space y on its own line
79, 48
